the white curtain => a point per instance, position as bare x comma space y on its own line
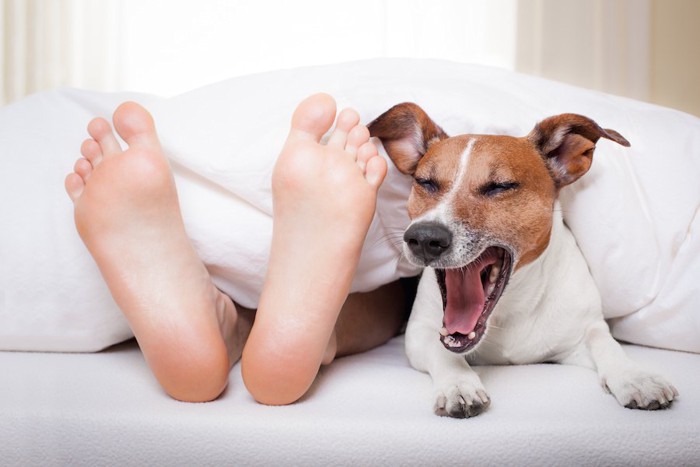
169, 46
54, 43
195, 42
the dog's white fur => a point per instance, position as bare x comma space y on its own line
550, 311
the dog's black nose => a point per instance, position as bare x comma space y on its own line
428, 241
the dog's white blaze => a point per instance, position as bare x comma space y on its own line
443, 210
461, 173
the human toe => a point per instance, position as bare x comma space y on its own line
375, 171
347, 120
358, 136
135, 125
83, 168
366, 151
91, 151
74, 185
313, 117
102, 133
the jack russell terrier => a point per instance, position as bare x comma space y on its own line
504, 280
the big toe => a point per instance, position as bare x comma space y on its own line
135, 125
313, 117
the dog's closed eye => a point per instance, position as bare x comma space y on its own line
496, 188
428, 184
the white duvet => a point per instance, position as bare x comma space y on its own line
634, 214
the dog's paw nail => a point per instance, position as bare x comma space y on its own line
484, 397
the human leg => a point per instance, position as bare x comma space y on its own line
368, 320
127, 214
324, 199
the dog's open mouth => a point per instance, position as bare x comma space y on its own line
469, 295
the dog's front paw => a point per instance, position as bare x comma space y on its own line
461, 400
638, 389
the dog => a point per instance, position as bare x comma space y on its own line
504, 281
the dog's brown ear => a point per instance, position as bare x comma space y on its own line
406, 132
567, 143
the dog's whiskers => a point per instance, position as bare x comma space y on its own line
394, 238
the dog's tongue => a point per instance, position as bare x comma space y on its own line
465, 295
465, 300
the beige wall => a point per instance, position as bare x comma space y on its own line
675, 54
644, 49
598, 44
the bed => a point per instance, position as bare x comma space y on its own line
76, 391
369, 409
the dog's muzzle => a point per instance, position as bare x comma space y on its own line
470, 285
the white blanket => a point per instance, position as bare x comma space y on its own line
634, 215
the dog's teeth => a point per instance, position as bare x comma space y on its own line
451, 341
495, 270
443, 332
490, 288
471, 336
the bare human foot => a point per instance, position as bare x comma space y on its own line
324, 199
127, 214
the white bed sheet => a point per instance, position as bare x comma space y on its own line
369, 409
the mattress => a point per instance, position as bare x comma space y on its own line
369, 409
